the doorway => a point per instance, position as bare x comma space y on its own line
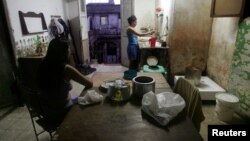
127, 8
104, 30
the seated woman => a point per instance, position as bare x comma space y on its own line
54, 77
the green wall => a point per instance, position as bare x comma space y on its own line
239, 79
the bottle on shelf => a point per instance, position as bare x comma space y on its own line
22, 47
18, 49
39, 47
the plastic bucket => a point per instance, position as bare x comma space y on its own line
226, 104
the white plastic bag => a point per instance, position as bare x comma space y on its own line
90, 97
163, 107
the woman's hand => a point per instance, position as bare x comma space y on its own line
152, 32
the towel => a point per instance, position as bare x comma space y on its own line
191, 95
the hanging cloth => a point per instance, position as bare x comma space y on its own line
55, 29
65, 27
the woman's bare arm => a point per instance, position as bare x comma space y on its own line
133, 31
74, 74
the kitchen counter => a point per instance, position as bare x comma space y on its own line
161, 53
145, 44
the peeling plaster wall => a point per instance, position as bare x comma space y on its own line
190, 33
228, 62
222, 46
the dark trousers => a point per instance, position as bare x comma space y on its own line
134, 64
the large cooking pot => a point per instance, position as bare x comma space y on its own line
142, 85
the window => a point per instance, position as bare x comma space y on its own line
104, 20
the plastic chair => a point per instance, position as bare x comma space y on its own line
191, 95
32, 101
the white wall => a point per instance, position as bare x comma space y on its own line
72, 9
47, 7
145, 13
83, 19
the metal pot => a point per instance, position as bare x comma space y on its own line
142, 85
125, 93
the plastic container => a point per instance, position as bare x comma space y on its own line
152, 41
226, 104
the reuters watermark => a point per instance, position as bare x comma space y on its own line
241, 132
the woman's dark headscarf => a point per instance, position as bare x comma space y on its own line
51, 71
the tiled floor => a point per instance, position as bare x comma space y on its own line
17, 126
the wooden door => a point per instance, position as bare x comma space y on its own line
7, 62
73, 16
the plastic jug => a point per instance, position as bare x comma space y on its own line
152, 41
